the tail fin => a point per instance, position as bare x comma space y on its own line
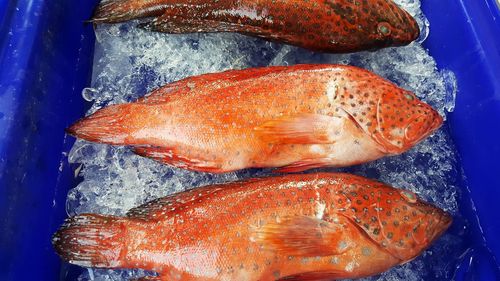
113, 11
110, 125
91, 241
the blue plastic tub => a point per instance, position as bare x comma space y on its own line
46, 59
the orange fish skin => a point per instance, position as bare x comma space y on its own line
296, 117
315, 225
322, 25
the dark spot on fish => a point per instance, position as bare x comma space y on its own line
409, 97
366, 251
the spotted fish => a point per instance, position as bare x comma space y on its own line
296, 118
294, 227
321, 25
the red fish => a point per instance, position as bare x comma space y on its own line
322, 25
297, 117
293, 227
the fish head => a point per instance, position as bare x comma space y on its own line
389, 25
420, 224
393, 117
403, 120
372, 24
398, 221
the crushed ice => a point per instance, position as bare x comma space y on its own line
130, 62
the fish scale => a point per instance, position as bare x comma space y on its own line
321, 25
301, 227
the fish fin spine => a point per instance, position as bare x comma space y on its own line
91, 240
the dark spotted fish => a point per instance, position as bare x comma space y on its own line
321, 25
297, 117
294, 227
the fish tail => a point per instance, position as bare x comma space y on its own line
91, 241
113, 11
110, 125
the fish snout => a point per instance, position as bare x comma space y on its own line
410, 30
441, 221
422, 125
401, 28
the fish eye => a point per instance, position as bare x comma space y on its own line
409, 196
384, 28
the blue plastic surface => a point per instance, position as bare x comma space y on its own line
45, 58
465, 38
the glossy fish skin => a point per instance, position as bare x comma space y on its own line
307, 227
321, 25
296, 117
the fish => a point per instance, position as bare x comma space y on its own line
319, 226
335, 26
293, 118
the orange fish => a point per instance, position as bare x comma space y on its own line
322, 25
297, 117
295, 227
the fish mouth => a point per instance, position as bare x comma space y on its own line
441, 225
413, 30
427, 129
409, 31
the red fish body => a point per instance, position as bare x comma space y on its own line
323, 25
303, 227
297, 117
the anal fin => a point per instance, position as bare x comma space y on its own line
316, 276
150, 278
305, 164
171, 157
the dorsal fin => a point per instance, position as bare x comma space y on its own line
205, 82
159, 208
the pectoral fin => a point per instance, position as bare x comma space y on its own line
303, 129
304, 236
